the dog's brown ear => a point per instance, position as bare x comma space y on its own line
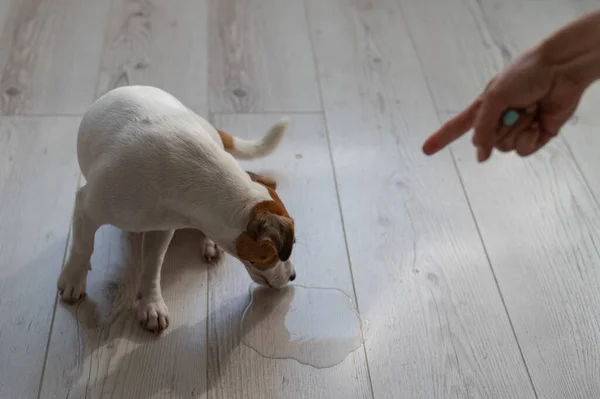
288, 239
275, 229
261, 253
264, 180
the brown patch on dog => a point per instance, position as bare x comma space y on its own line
227, 140
264, 180
269, 235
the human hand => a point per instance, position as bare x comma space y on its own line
545, 94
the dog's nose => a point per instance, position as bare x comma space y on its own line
293, 277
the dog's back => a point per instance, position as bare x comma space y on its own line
130, 113
143, 146
136, 117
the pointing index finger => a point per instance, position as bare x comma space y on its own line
452, 129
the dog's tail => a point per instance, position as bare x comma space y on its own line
250, 149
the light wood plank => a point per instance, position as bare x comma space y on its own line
539, 223
164, 45
5, 43
38, 177
260, 57
161, 44
537, 217
438, 328
49, 55
97, 348
305, 182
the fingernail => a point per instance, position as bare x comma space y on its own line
481, 154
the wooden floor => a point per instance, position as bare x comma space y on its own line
506, 306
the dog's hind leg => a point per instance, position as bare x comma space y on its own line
153, 313
72, 280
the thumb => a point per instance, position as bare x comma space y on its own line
487, 123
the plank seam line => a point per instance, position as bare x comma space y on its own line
336, 186
460, 178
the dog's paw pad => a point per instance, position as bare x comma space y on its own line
211, 251
153, 314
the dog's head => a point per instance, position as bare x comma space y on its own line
266, 245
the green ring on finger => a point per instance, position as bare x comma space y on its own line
510, 117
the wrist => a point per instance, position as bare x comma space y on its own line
574, 50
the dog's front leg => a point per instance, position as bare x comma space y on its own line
152, 311
210, 250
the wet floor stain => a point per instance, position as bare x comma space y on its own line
318, 327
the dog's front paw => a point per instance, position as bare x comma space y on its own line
71, 286
153, 314
211, 251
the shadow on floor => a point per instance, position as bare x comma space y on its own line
118, 358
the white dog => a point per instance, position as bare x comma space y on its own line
152, 165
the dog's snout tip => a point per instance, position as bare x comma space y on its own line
293, 277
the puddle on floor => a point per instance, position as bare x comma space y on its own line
318, 327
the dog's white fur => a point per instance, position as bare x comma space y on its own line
152, 165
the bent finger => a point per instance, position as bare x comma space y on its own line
508, 140
526, 118
483, 154
488, 120
527, 142
544, 139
